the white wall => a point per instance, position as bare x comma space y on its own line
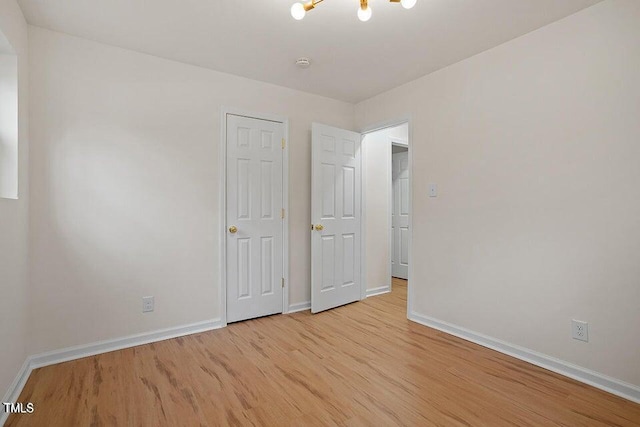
125, 188
535, 148
14, 219
376, 147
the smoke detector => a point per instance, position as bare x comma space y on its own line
303, 63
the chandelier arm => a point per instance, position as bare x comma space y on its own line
310, 5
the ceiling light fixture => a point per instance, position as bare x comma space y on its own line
408, 4
299, 10
364, 13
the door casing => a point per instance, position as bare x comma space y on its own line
222, 211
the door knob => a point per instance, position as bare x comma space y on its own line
319, 227
233, 229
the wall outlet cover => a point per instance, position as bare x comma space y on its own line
580, 330
147, 304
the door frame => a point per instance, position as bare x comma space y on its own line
364, 131
222, 211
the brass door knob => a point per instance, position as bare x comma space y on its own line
319, 227
233, 229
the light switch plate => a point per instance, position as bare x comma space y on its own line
433, 190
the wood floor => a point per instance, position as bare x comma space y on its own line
359, 365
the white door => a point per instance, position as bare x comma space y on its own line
335, 215
254, 239
400, 216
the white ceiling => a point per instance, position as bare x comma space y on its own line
259, 39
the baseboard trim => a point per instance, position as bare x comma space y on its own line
301, 306
13, 393
378, 291
595, 379
86, 350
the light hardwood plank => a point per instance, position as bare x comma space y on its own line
359, 365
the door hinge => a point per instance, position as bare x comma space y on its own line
282, 214
283, 143
283, 282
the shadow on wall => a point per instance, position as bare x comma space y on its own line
123, 198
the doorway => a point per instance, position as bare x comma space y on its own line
386, 192
254, 248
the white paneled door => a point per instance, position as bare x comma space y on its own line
254, 217
400, 216
336, 217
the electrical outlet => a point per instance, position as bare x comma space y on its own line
580, 330
147, 304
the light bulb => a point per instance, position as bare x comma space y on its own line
364, 14
297, 11
408, 4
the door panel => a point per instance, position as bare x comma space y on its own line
328, 191
266, 189
254, 200
349, 255
336, 206
349, 192
328, 262
400, 216
267, 262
